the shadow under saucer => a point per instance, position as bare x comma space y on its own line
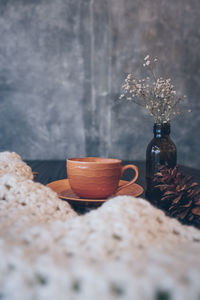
80, 205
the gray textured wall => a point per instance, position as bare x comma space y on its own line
62, 64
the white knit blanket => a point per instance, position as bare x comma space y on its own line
126, 249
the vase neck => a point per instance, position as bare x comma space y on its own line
161, 130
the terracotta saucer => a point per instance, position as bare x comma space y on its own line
62, 188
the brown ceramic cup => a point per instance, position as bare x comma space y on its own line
95, 177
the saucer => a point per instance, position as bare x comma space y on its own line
63, 189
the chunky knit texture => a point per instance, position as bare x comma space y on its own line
126, 249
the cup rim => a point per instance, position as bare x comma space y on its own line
97, 160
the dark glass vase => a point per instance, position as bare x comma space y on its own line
160, 151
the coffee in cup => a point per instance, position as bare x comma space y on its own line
95, 177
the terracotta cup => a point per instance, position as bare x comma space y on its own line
95, 177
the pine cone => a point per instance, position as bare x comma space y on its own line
180, 196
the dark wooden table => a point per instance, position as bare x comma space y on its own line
51, 170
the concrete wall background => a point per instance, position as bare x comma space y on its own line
62, 64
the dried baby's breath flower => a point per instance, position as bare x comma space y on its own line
158, 95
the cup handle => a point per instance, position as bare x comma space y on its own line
124, 168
